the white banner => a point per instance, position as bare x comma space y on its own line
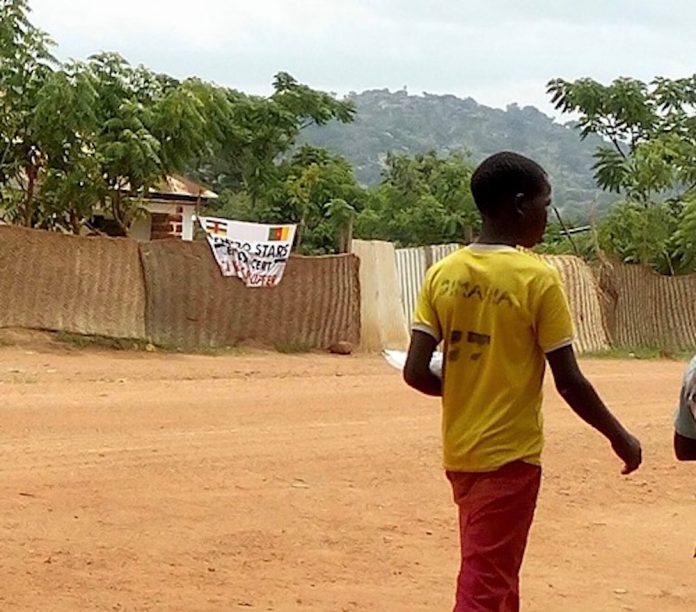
254, 252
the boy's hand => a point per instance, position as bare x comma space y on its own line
628, 449
580, 395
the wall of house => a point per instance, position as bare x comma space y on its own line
188, 222
167, 220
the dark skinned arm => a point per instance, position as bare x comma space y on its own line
580, 395
417, 372
684, 448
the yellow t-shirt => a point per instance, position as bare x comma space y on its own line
498, 310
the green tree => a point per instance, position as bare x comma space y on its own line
260, 131
341, 215
557, 242
412, 124
661, 235
650, 131
314, 189
76, 135
422, 200
71, 178
650, 144
26, 64
123, 129
636, 233
685, 236
150, 126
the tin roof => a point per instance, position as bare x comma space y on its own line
176, 185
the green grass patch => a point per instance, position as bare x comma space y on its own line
293, 347
212, 351
103, 342
80, 341
646, 354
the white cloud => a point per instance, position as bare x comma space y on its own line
498, 51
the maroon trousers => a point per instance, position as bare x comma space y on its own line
495, 514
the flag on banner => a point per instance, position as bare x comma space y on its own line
278, 233
215, 226
254, 252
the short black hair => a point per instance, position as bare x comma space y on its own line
501, 177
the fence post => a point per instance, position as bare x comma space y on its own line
428, 256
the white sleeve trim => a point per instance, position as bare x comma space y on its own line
426, 329
559, 345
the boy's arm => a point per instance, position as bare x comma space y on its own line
425, 337
684, 448
417, 372
580, 395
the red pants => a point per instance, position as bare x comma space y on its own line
495, 514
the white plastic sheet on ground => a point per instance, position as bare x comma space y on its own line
397, 359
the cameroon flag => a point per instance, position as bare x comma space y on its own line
278, 233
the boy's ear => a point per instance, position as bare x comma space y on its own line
519, 205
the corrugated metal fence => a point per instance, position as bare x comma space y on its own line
382, 321
170, 292
647, 310
582, 288
173, 294
412, 265
189, 303
585, 297
82, 285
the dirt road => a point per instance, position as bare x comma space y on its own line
262, 482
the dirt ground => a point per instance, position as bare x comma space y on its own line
137, 481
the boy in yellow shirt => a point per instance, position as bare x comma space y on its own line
500, 312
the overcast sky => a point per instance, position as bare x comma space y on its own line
496, 51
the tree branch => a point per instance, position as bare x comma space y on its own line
687, 190
615, 142
116, 211
566, 232
7, 149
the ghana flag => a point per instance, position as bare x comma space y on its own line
276, 234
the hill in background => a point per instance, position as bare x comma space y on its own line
412, 124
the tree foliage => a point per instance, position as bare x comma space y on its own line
102, 132
649, 132
636, 233
422, 200
261, 130
79, 134
315, 189
26, 64
148, 126
557, 242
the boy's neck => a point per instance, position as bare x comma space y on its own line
496, 235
